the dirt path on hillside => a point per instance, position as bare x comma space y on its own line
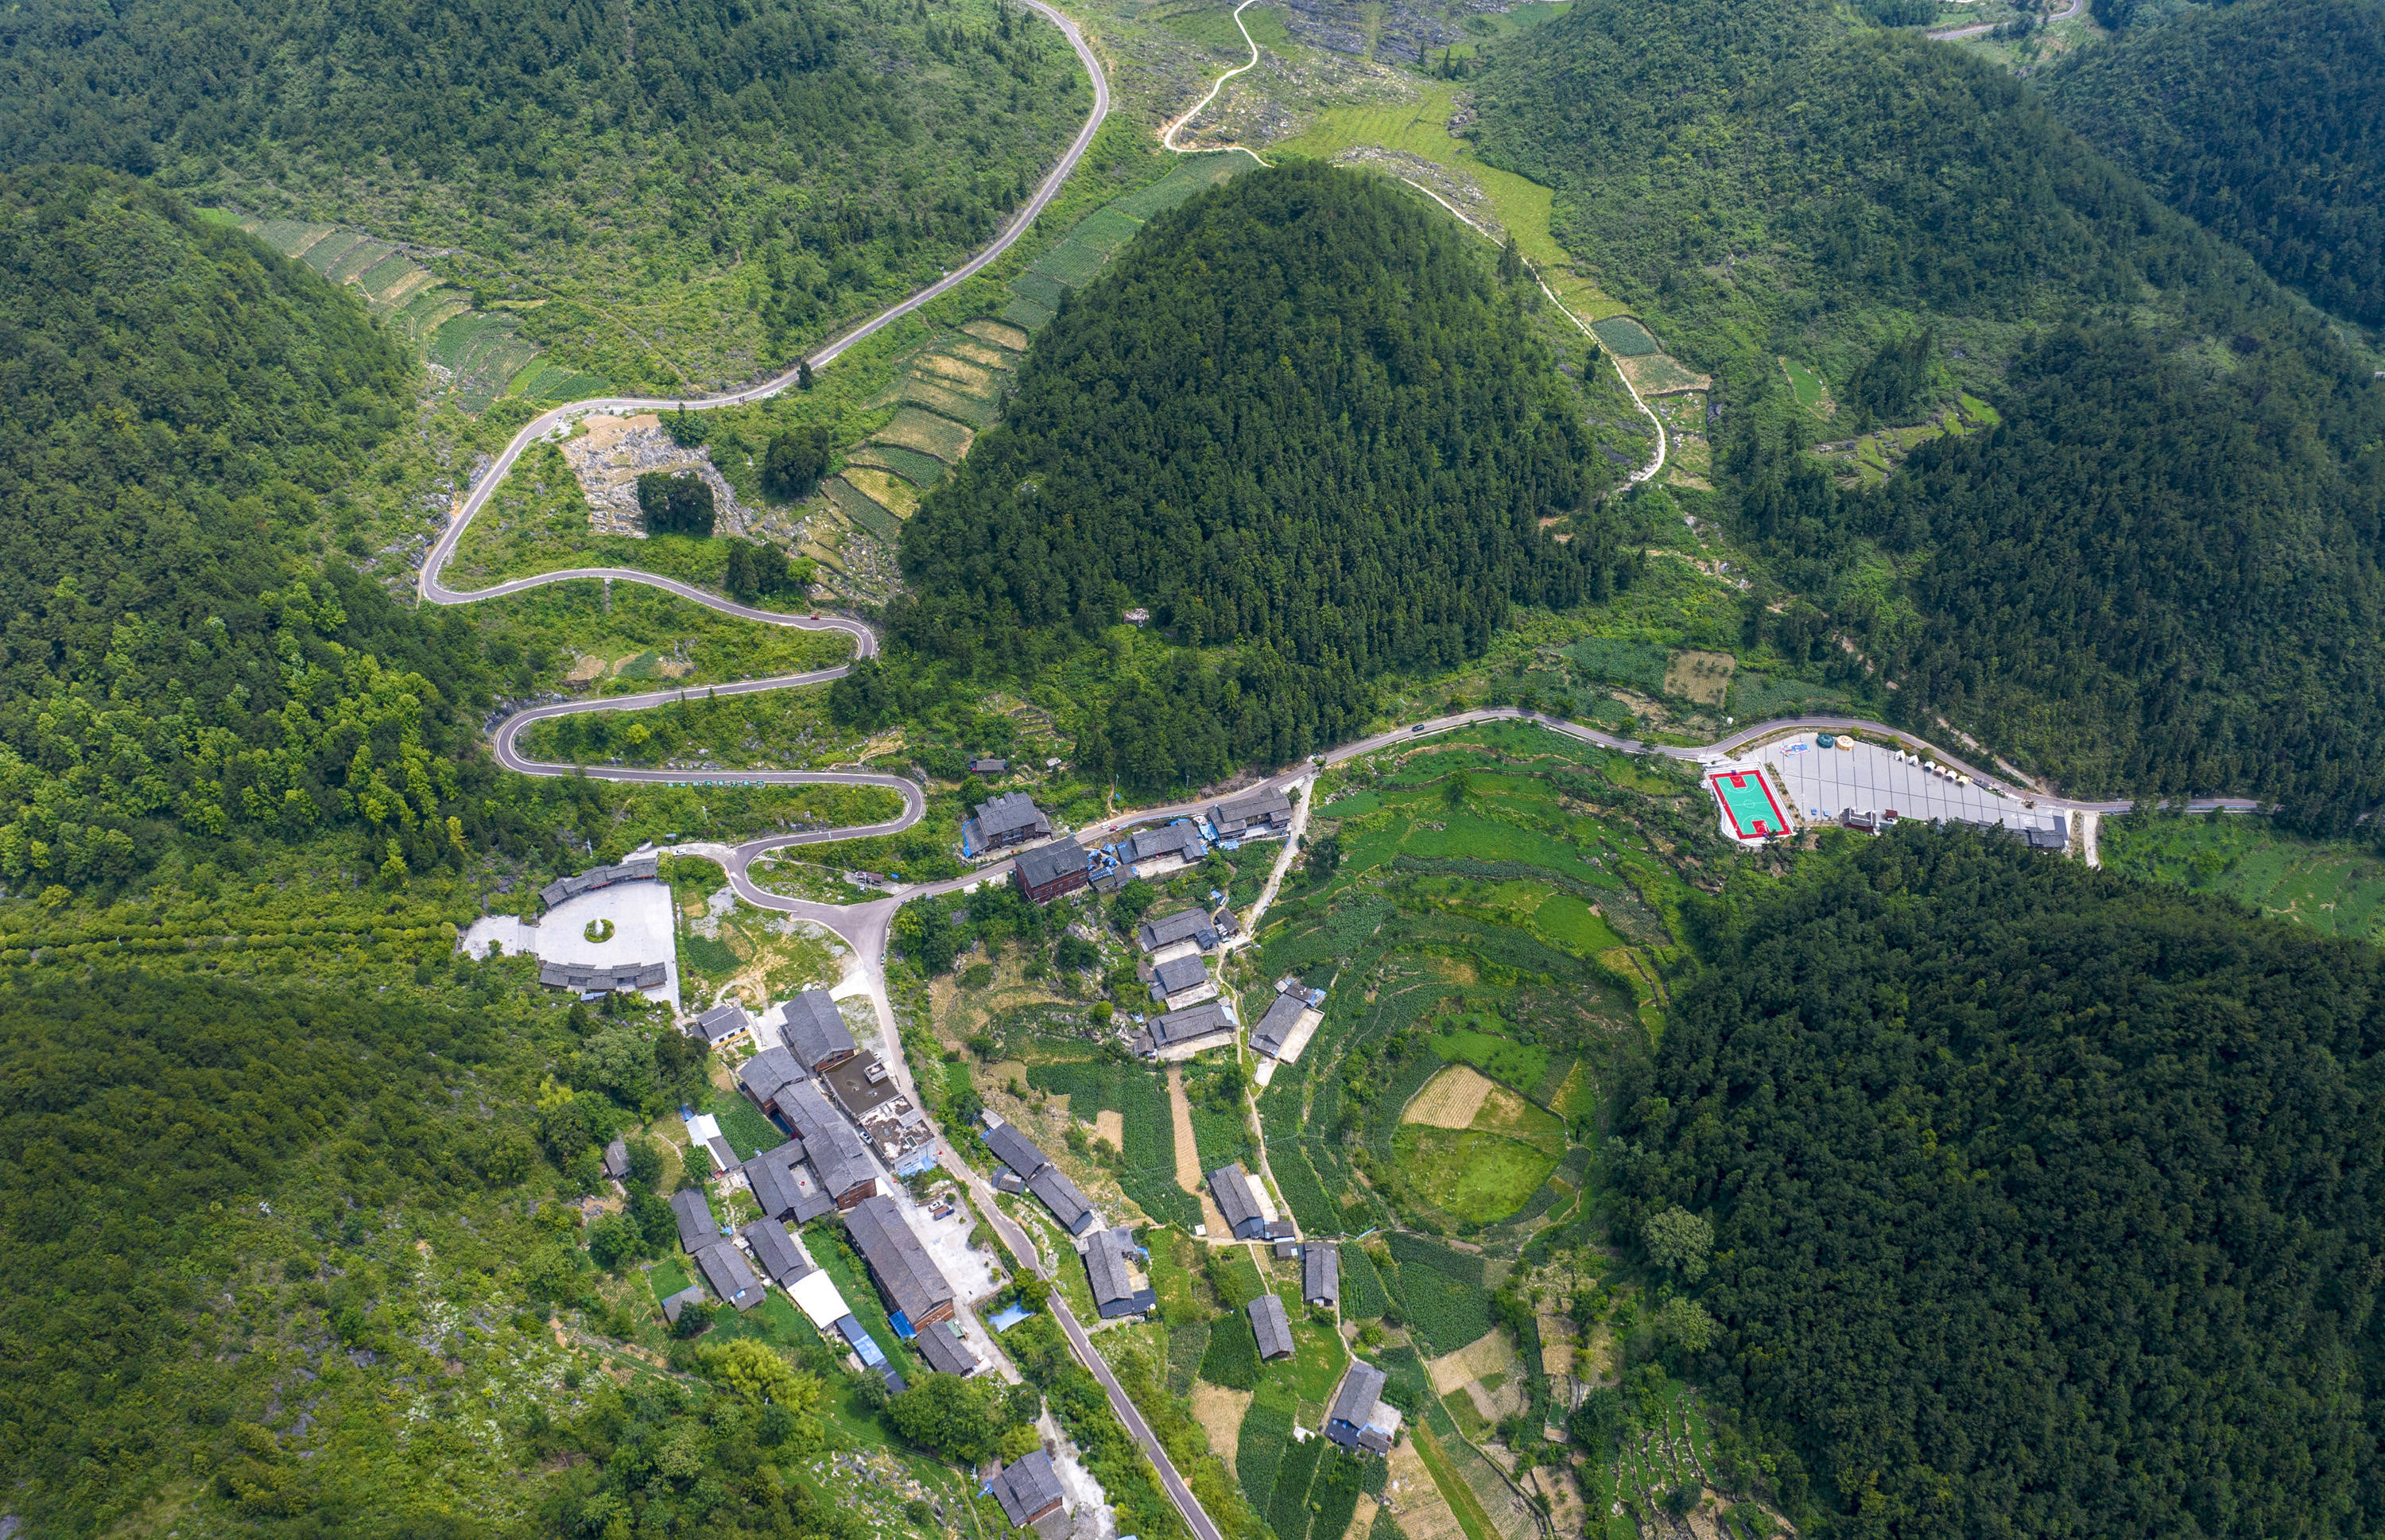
1188, 1157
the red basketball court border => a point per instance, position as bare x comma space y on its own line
1768, 828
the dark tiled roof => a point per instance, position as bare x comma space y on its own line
1274, 1028
1184, 925
1192, 1023
1048, 863
902, 1265
1110, 1267
767, 1072
1269, 806
697, 1228
1012, 816
636, 868
830, 1143
1181, 838
617, 1159
1230, 1185
815, 1029
1014, 1150
943, 1351
1321, 1273
1178, 975
1354, 1405
779, 1254
725, 1269
1060, 1196
692, 1295
723, 1021
1028, 1489
584, 977
1271, 1325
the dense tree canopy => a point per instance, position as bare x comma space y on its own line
2266, 122
2157, 575
1297, 415
2042, 1204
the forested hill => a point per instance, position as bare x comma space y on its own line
1748, 171
180, 399
2125, 604
1298, 414
2042, 1204
2265, 121
594, 155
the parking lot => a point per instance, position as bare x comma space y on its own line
1823, 782
641, 917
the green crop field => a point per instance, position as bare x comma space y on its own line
1039, 287
1806, 384
1473, 1174
1026, 314
2332, 886
1494, 1052
1622, 661
921, 471
1626, 337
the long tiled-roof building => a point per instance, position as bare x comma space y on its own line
1119, 1287
831, 1146
1271, 1325
1002, 821
1230, 1185
917, 1290
1050, 871
814, 1031
697, 1228
1321, 1273
1360, 1418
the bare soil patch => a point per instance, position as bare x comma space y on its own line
1489, 1354
1703, 677
1420, 1509
1450, 1099
1110, 1124
1219, 1413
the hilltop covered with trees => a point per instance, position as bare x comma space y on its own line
823, 151
1298, 418
2266, 122
2155, 574
2042, 1202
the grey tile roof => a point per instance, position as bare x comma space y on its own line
584, 977
1007, 818
1028, 1488
1184, 925
781, 1254
692, 1295
697, 1228
636, 868
902, 1265
1014, 1150
1048, 863
833, 1146
1110, 1267
769, 1071
815, 1029
943, 1351
1354, 1405
617, 1159
1189, 1025
1181, 838
722, 1022
1060, 1196
1270, 1325
1230, 1185
725, 1269
1274, 1028
1321, 1272
1178, 976
1268, 807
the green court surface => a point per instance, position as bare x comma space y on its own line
1748, 804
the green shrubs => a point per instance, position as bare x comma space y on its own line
1362, 1295
1232, 1356
1258, 1453
1287, 1511
1442, 1290
1141, 1100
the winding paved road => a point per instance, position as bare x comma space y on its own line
1951, 33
